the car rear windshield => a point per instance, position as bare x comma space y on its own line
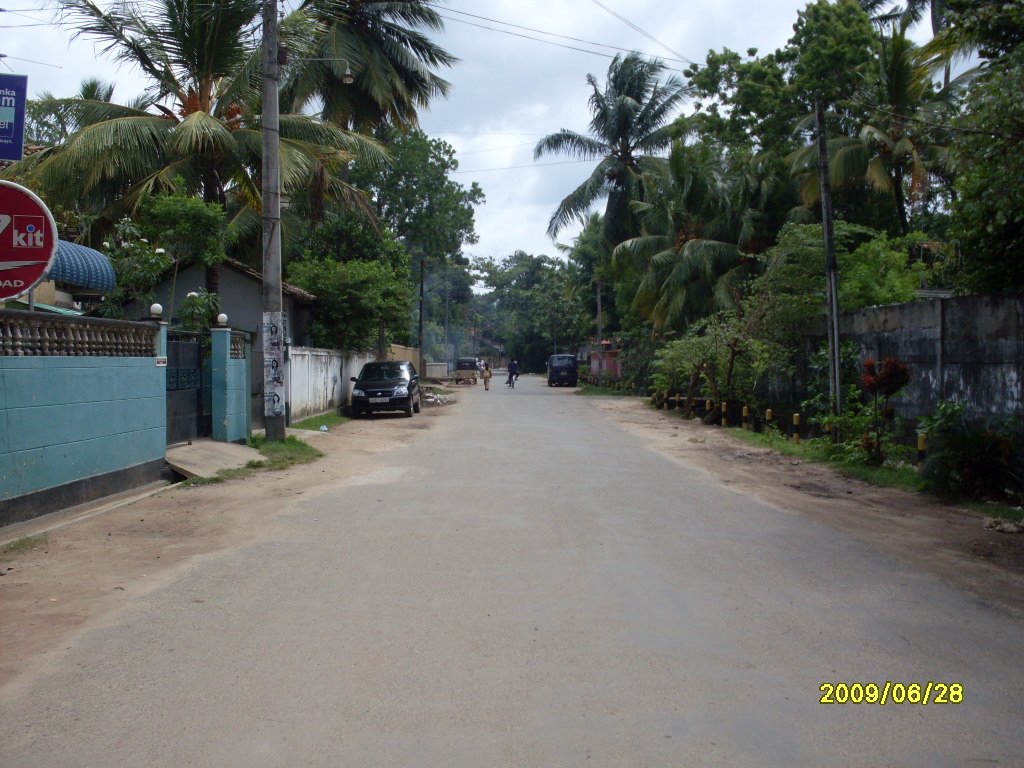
564, 361
383, 371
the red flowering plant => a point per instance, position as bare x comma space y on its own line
881, 382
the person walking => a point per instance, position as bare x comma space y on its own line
486, 376
513, 374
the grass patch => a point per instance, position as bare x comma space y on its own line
1002, 511
592, 390
24, 544
279, 455
284, 454
901, 475
439, 390
330, 419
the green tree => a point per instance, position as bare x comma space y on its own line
360, 278
139, 266
416, 196
897, 150
430, 213
379, 45
204, 135
993, 28
589, 272
631, 121
834, 43
535, 313
50, 120
747, 102
988, 215
703, 216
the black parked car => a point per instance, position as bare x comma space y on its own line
392, 385
562, 370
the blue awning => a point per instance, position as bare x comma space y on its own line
82, 267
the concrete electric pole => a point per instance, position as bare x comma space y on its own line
831, 266
273, 315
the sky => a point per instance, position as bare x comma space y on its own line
508, 91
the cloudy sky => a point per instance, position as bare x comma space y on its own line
513, 84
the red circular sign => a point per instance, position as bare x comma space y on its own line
28, 240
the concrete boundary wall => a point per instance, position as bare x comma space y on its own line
314, 381
318, 379
65, 420
354, 362
969, 349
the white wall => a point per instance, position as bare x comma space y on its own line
314, 381
353, 364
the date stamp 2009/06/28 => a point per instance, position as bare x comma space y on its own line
890, 692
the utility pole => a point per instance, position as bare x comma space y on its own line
600, 337
419, 339
831, 266
273, 315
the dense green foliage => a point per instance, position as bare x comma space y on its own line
360, 277
968, 458
988, 220
535, 312
432, 216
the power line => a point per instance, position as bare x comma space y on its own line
483, 133
540, 32
941, 126
517, 167
495, 149
25, 16
527, 37
4, 57
633, 26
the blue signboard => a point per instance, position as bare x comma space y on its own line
13, 89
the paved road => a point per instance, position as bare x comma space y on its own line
528, 585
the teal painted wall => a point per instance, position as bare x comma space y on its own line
64, 419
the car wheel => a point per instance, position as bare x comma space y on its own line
408, 409
417, 405
356, 413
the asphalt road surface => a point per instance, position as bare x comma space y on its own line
527, 585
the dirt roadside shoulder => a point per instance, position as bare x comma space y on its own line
89, 568
938, 538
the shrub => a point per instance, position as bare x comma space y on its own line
972, 459
881, 382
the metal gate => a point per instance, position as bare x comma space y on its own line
184, 387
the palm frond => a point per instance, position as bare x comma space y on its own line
570, 143
576, 205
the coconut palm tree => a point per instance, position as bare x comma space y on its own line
199, 130
364, 62
913, 12
699, 217
631, 122
896, 149
50, 119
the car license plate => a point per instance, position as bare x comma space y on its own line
380, 399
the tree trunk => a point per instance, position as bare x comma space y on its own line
901, 200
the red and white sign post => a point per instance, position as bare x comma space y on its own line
28, 240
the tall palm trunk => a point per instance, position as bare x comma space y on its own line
212, 193
901, 198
